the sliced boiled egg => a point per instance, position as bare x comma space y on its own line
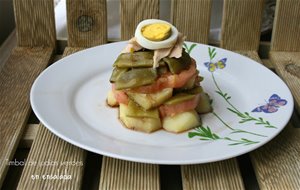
156, 34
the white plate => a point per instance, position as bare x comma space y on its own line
69, 99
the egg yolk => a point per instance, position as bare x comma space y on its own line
156, 32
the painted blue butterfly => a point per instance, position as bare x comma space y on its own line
272, 106
218, 65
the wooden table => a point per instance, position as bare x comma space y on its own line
23, 140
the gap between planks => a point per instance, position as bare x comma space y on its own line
29, 135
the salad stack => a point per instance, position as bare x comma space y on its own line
155, 82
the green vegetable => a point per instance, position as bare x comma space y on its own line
136, 59
134, 110
204, 105
176, 65
151, 100
178, 98
136, 77
117, 72
195, 90
162, 70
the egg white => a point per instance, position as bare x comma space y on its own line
148, 44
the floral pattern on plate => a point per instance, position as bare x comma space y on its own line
206, 133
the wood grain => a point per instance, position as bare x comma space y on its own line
241, 24
35, 22
134, 11
192, 19
6, 47
51, 156
286, 29
87, 22
119, 174
47, 147
70, 50
251, 54
16, 78
287, 65
254, 55
277, 163
218, 175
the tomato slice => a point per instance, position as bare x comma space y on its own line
171, 110
169, 80
120, 95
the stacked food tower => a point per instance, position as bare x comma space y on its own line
155, 82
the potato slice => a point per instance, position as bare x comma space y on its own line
145, 124
148, 101
111, 100
181, 122
204, 105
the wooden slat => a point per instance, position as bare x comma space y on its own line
286, 30
71, 50
49, 157
134, 11
86, 27
192, 18
254, 55
29, 135
7, 46
218, 175
119, 174
241, 24
251, 54
48, 147
287, 65
35, 22
87, 22
277, 163
16, 78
